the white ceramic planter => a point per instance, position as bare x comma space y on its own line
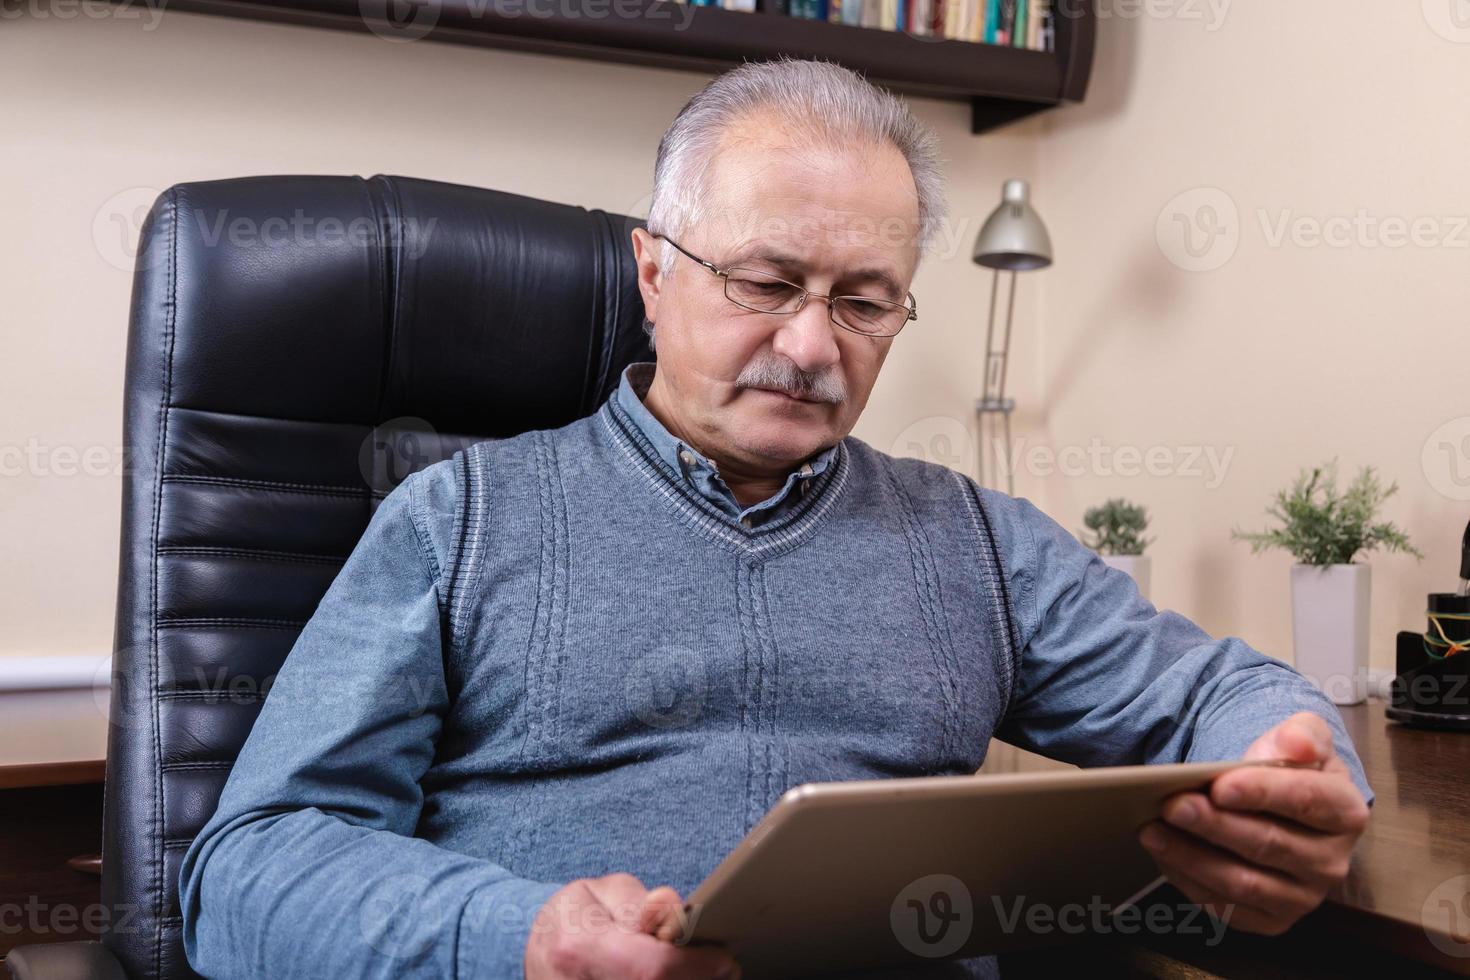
1329, 628
1135, 565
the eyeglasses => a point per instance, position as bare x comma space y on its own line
765, 293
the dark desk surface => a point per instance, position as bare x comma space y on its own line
1407, 897
1410, 883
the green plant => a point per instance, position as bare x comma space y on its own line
1117, 528
1323, 527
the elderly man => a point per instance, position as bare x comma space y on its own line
586, 661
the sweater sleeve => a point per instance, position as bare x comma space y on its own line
309, 867
1104, 678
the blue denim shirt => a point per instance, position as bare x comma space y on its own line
700, 471
546, 654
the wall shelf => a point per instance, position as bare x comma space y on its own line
1002, 84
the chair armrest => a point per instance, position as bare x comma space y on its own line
64, 961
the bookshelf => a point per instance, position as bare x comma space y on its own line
1002, 84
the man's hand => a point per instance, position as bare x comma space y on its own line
1263, 847
613, 928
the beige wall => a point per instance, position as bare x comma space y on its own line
1291, 351
102, 113
1283, 354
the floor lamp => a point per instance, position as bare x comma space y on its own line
1013, 239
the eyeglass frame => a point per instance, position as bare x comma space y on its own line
912, 306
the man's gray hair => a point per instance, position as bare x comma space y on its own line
830, 104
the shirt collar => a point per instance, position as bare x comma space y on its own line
699, 471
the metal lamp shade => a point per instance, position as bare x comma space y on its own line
1014, 237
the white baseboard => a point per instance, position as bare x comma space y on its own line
41, 672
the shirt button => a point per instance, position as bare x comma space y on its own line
745, 523
685, 458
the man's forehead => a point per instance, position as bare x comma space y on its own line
782, 201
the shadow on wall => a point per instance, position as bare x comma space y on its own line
1148, 290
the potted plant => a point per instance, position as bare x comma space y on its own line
1326, 531
1116, 531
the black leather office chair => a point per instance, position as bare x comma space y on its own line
297, 346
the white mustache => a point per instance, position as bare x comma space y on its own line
780, 374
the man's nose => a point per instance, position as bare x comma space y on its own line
806, 337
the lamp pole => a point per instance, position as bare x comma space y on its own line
1013, 239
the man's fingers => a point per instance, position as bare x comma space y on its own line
662, 915
1227, 875
621, 897
1311, 855
1233, 914
1323, 799
1303, 738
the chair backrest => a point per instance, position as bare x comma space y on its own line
297, 346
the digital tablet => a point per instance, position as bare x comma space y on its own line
888, 872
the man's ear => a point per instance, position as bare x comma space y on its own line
646, 250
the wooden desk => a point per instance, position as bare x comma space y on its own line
1404, 909
52, 747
